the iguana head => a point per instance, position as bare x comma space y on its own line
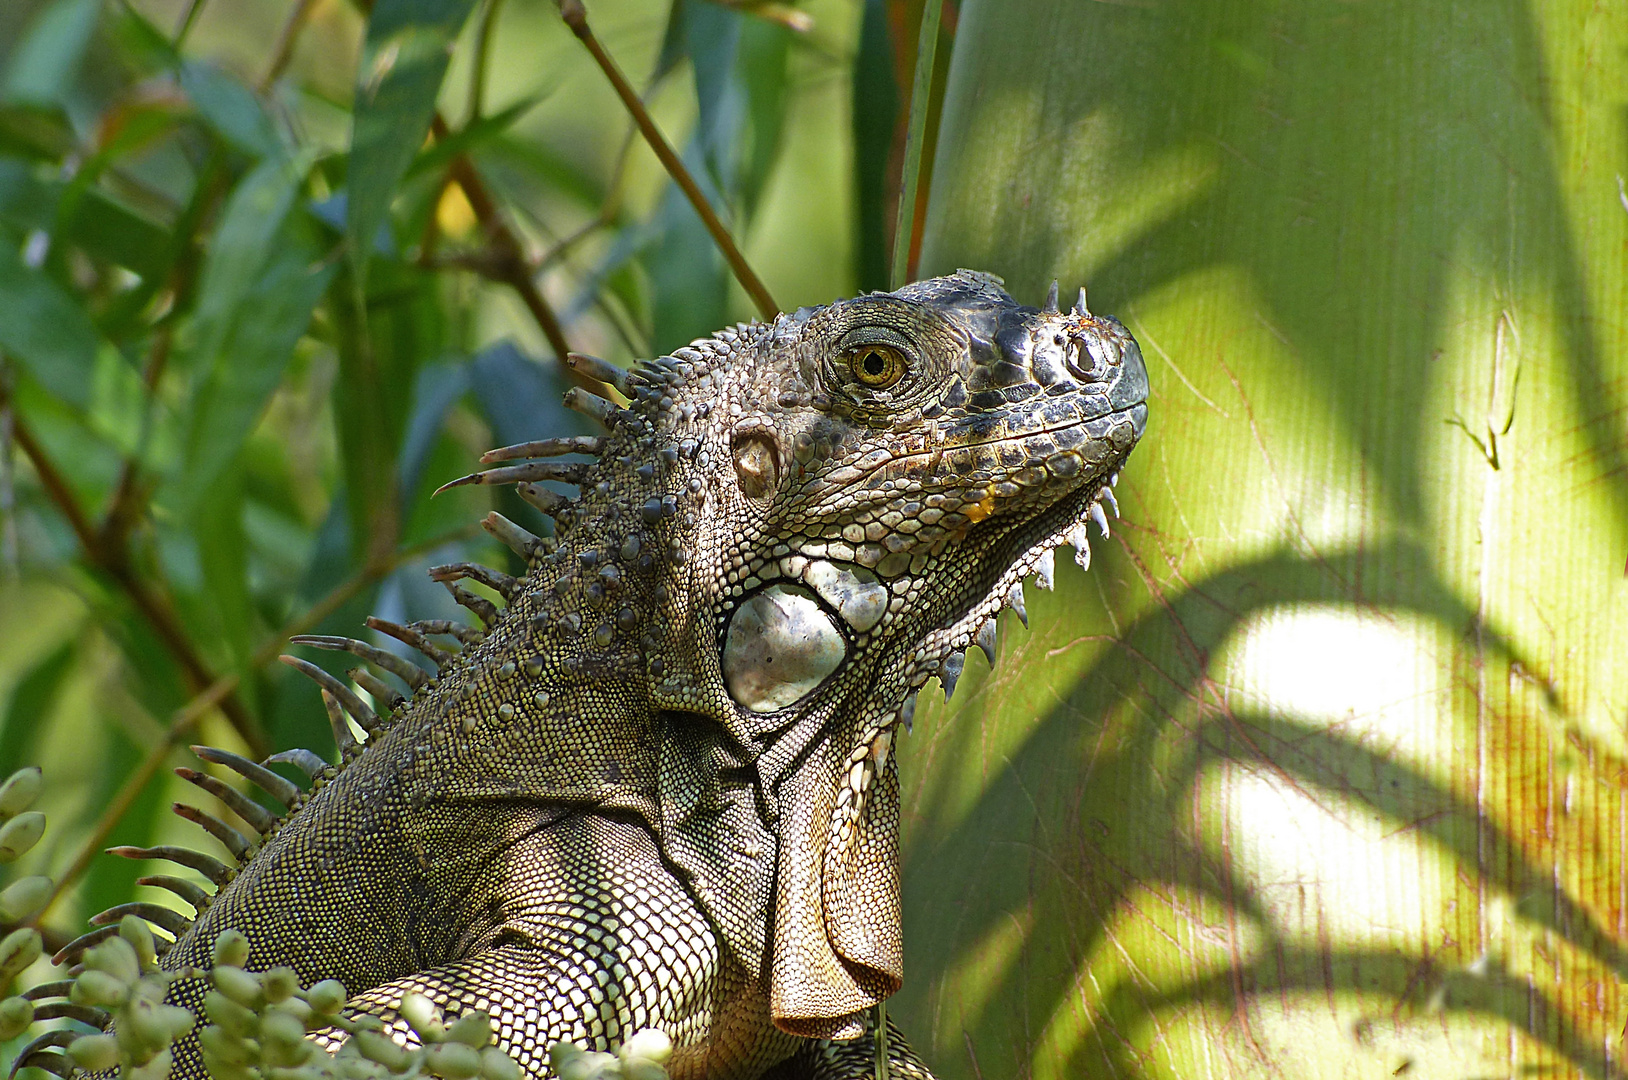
795, 525
900, 461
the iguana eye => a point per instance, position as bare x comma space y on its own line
877, 366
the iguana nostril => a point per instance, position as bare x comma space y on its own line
757, 465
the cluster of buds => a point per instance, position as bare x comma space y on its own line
258, 1021
20, 829
460, 1050
641, 1057
121, 976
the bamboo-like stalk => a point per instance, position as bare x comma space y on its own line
1331, 738
921, 96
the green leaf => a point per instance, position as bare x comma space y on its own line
761, 65
45, 62
251, 345
31, 704
228, 616
403, 62
42, 325
1331, 733
712, 38
689, 281
521, 396
231, 109
915, 143
101, 225
107, 229
470, 137
27, 203
241, 246
33, 130
875, 118
437, 388
141, 44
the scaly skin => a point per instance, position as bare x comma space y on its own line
577, 826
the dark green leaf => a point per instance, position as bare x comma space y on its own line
524, 165
470, 137
403, 62
111, 881
764, 48
689, 282
98, 223
231, 109
46, 60
142, 44
254, 214
712, 36
227, 615
255, 339
34, 130
107, 229
438, 386
875, 119
379, 358
43, 326
26, 202
916, 148
30, 707
520, 396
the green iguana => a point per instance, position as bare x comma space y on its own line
658, 789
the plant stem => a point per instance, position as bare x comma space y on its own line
287, 38
477, 74
510, 265
921, 95
577, 19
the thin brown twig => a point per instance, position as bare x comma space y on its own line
154, 607
508, 257
183, 26
188, 715
287, 38
576, 17
10, 554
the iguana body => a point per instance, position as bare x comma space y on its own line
616, 811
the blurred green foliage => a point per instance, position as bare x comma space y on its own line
1321, 770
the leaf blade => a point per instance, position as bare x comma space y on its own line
404, 59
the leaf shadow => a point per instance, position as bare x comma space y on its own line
1440, 176
1095, 816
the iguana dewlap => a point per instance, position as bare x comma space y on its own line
658, 789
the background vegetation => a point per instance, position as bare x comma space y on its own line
1320, 771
